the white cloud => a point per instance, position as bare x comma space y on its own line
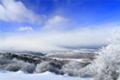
56, 22
25, 28
12, 10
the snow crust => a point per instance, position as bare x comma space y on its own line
43, 76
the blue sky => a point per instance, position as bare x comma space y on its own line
52, 18
81, 12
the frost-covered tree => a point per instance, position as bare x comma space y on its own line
28, 68
106, 66
42, 67
72, 68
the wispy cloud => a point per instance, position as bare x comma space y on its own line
56, 22
14, 10
25, 28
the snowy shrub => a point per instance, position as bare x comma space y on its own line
4, 61
107, 64
28, 68
25, 66
42, 67
13, 67
47, 66
72, 68
73, 65
87, 72
16, 65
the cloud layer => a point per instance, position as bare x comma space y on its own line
58, 40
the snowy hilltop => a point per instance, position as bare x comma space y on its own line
32, 63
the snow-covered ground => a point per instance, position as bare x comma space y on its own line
44, 76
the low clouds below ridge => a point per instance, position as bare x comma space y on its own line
57, 40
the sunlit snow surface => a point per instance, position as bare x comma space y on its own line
44, 76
